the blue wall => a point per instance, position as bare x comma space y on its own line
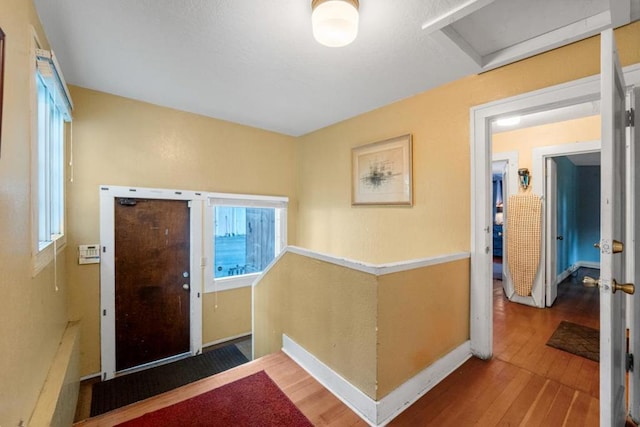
588, 206
578, 213
566, 211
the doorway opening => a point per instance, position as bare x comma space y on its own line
482, 117
498, 181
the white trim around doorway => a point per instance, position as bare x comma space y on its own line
575, 92
107, 271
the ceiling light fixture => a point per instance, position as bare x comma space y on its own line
508, 121
334, 22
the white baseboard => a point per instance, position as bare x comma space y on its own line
409, 392
572, 268
377, 413
588, 264
235, 337
353, 397
566, 273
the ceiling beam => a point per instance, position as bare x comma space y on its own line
455, 14
560, 37
450, 39
620, 12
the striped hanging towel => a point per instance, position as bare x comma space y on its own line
523, 240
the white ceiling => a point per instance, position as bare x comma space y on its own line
256, 63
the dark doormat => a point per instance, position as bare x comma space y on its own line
121, 391
577, 339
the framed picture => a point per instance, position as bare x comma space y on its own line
2, 48
382, 173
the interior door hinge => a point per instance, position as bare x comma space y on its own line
629, 363
630, 121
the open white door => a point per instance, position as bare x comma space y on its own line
633, 252
613, 409
551, 221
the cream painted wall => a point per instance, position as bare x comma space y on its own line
328, 309
439, 221
226, 314
33, 314
119, 141
525, 140
377, 332
423, 314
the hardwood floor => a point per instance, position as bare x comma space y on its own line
526, 383
320, 406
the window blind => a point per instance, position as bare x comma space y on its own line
248, 201
51, 74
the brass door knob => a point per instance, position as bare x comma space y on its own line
616, 249
627, 288
590, 282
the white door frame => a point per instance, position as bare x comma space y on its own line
511, 187
550, 233
632, 252
539, 156
575, 92
107, 266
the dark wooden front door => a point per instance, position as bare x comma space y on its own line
152, 280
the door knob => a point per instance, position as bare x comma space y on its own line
617, 247
627, 288
185, 286
590, 282
560, 238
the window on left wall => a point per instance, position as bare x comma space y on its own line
52, 111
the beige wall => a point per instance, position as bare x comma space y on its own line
525, 140
377, 332
119, 141
423, 314
33, 314
226, 314
439, 221
327, 309
124, 142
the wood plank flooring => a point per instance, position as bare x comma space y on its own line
526, 383
320, 406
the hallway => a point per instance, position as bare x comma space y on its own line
526, 382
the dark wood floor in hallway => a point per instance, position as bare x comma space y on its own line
526, 383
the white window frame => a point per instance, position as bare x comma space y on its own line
45, 251
240, 200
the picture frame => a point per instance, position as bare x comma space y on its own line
2, 49
382, 173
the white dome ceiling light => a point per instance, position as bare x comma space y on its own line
334, 22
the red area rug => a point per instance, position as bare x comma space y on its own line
252, 401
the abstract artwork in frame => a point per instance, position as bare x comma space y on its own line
381, 173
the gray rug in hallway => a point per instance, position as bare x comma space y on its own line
121, 391
577, 339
